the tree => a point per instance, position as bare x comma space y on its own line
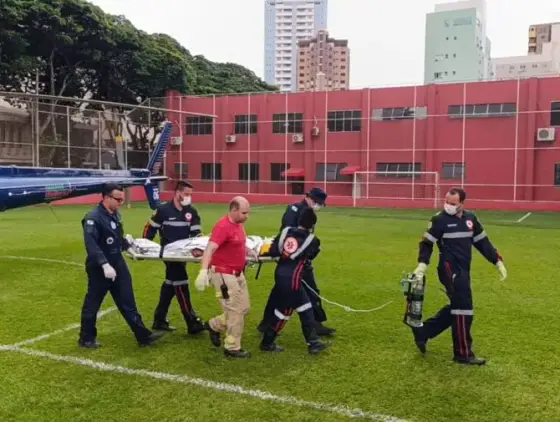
76, 50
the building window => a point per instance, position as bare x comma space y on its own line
557, 174
400, 113
452, 170
211, 171
482, 110
199, 125
345, 121
330, 172
276, 170
246, 124
555, 113
249, 171
181, 170
287, 123
398, 170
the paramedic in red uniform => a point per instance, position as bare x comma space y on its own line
222, 266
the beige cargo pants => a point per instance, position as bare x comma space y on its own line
231, 322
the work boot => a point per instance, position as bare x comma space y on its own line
271, 348
195, 326
93, 344
323, 331
151, 339
471, 360
163, 326
237, 353
316, 346
214, 335
419, 339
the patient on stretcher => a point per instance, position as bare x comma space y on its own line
190, 249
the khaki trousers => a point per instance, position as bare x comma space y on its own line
231, 321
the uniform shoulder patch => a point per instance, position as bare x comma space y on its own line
90, 222
294, 208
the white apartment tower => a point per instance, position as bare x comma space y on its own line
286, 23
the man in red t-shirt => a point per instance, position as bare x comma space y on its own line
222, 265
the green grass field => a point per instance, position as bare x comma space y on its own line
373, 366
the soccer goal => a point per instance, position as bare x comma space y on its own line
396, 185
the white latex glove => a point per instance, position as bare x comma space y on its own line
420, 271
129, 239
109, 272
502, 269
202, 280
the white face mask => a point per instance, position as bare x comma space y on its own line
186, 201
316, 207
450, 209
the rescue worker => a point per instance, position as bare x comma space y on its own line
455, 231
107, 270
316, 200
223, 264
295, 247
175, 220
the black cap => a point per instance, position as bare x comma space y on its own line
307, 218
318, 195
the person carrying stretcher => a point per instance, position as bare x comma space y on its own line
295, 247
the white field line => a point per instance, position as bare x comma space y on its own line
230, 388
524, 217
33, 340
30, 258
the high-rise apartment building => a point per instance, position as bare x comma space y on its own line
456, 46
286, 23
543, 58
323, 64
540, 34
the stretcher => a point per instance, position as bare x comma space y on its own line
191, 250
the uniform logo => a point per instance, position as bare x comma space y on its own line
113, 225
110, 241
290, 245
188, 216
155, 195
470, 224
90, 223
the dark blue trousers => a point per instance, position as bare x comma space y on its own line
458, 314
319, 313
123, 295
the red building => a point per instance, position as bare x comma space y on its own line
496, 139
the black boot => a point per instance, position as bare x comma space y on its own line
214, 335
323, 331
419, 339
195, 326
237, 353
267, 343
316, 347
471, 360
163, 326
151, 339
89, 344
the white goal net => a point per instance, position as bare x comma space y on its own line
396, 185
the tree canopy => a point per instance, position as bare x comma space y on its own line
76, 50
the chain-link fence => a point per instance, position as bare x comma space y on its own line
59, 132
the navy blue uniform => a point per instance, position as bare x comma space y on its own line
174, 224
290, 219
455, 237
296, 248
104, 242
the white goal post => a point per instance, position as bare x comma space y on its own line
396, 185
